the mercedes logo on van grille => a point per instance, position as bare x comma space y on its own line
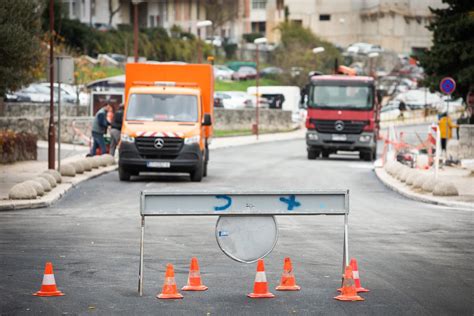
159, 143
339, 126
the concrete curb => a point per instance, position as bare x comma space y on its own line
404, 190
56, 193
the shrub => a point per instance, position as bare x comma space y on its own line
17, 146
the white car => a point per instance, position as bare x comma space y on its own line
222, 72
456, 105
69, 93
416, 99
235, 100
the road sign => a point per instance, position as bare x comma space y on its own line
246, 238
447, 85
241, 206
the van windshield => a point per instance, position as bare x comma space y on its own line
162, 107
341, 97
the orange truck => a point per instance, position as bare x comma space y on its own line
167, 125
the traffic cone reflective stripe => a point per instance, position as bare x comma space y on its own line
348, 290
288, 281
170, 290
355, 275
194, 278
48, 286
260, 287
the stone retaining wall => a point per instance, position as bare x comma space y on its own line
464, 147
20, 109
78, 129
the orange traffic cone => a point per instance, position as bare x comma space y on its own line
170, 290
348, 291
288, 281
194, 278
355, 274
260, 287
48, 287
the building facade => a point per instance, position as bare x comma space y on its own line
398, 25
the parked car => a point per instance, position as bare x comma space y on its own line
245, 73
271, 71
364, 48
416, 99
234, 99
222, 72
33, 93
69, 93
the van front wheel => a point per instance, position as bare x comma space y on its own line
124, 175
197, 174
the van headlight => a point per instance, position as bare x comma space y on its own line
313, 136
192, 140
127, 138
365, 138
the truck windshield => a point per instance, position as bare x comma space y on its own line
341, 97
162, 107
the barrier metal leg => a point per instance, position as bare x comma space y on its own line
140, 270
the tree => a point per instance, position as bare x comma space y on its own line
452, 53
113, 11
295, 55
220, 12
20, 49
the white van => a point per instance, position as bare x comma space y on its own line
285, 98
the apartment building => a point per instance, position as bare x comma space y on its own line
153, 13
399, 25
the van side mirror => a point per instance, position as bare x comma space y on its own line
207, 121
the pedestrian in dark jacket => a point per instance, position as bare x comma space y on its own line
116, 129
99, 128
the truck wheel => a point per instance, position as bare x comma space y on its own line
124, 175
366, 155
204, 173
313, 154
197, 174
325, 153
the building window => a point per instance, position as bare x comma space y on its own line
152, 21
324, 17
259, 4
297, 22
258, 27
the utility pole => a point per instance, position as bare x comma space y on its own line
135, 30
51, 130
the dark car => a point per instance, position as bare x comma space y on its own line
245, 73
271, 71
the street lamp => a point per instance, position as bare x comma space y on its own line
317, 50
372, 56
257, 42
199, 25
135, 28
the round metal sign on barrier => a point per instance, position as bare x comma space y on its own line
246, 238
447, 85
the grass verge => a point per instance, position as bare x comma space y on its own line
246, 132
242, 85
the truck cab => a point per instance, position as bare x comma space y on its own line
167, 124
342, 115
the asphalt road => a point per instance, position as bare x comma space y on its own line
415, 258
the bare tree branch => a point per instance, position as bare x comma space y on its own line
113, 11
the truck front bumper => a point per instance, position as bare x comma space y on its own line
348, 142
187, 160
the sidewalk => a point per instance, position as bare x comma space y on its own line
12, 174
461, 178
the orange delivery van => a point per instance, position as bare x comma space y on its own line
167, 124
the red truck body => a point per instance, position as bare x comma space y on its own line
343, 114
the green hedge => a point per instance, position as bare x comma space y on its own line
17, 146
